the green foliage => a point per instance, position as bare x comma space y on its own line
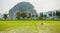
41, 15
36, 15
53, 13
18, 15
5, 16
32, 15
29, 15
50, 14
44, 16
58, 14
24, 14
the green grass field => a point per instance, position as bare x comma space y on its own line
29, 26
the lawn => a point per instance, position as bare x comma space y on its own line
29, 26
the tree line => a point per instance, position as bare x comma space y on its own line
23, 15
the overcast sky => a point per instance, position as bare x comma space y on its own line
40, 5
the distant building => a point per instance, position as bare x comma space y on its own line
53, 14
22, 7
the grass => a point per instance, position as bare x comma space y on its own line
29, 26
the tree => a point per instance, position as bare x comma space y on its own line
58, 13
50, 14
5, 16
18, 15
41, 15
23, 14
44, 16
32, 15
36, 15
29, 15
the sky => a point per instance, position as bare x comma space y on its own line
40, 5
